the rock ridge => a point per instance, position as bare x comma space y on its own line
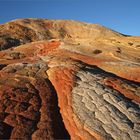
64, 79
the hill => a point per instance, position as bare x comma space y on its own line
65, 79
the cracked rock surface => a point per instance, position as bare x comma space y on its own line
104, 109
64, 80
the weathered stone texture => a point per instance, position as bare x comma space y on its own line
63, 79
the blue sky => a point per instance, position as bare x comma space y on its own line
120, 15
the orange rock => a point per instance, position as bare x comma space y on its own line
63, 79
122, 88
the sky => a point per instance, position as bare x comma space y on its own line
120, 15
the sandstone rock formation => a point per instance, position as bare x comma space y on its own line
63, 79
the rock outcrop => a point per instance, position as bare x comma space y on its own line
63, 79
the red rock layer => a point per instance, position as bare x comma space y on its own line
63, 81
68, 80
122, 88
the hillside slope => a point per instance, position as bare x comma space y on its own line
62, 79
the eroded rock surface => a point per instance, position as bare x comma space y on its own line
28, 104
103, 108
68, 80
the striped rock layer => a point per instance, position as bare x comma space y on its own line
63, 79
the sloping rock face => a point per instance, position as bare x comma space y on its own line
63, 79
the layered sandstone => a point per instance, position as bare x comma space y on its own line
63, 79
